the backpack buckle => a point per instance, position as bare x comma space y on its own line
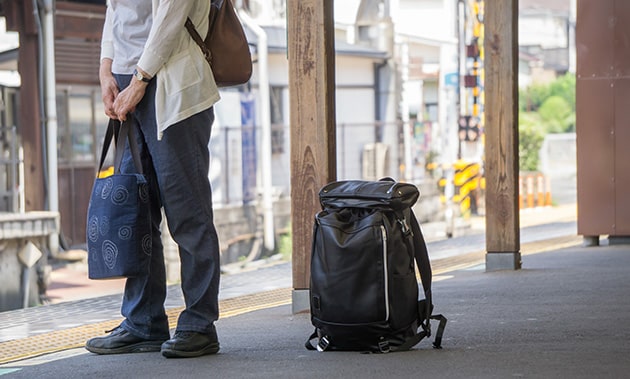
323, 344
383, 346
404, 226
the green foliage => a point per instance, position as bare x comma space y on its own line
543, 109
533, 97
557, 115
530, 139
564, 87
285, 246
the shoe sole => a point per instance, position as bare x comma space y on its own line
212, 348
140, 347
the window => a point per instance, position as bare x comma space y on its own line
80, 122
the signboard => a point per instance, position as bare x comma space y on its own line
451, 79
248, 151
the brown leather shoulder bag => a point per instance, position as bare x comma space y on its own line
225, 47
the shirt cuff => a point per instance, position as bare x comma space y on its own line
107, 50
150, 62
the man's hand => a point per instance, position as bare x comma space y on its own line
127, 100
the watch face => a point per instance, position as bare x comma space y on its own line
139, 76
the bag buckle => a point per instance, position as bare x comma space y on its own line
404, 226
323, 344
383, 346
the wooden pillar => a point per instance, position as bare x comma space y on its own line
20, 18
501, 126
311, 53
602, 120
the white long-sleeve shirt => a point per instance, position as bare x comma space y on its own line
126, 33
150, 34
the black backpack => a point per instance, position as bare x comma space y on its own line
363, 289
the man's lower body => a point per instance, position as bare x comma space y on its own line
176, 168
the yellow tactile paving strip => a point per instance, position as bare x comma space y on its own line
463, 261
71, 338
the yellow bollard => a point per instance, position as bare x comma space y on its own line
530, 191
520, 192
548, 192
541, 190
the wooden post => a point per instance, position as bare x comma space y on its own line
501, 125
311, 53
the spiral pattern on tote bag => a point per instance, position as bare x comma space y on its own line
118, 227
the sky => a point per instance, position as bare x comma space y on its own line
8, 41
346, 11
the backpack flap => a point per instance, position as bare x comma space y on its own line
383, 194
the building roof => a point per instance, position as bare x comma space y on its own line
8, 60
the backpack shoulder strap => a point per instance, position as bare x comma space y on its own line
412, 231
426, 276
422, 257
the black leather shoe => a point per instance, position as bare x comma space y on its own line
120, 341
186, 344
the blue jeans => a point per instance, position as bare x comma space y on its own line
176, 168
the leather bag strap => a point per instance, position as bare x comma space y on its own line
197, 38
121, 133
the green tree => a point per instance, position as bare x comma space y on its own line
532, 97
530, 139
544, 108
564, 87
557, 115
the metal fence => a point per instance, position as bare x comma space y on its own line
11, 171
364, 151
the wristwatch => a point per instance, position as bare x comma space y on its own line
140, 77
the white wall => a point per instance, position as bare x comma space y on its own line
225, 150
558, 161
346, 11
426, 18
8, 41
355, 113
543, 30
355, 129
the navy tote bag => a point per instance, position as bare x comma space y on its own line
119, 219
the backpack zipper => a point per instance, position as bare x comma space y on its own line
385, 271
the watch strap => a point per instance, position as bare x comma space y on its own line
140, 77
